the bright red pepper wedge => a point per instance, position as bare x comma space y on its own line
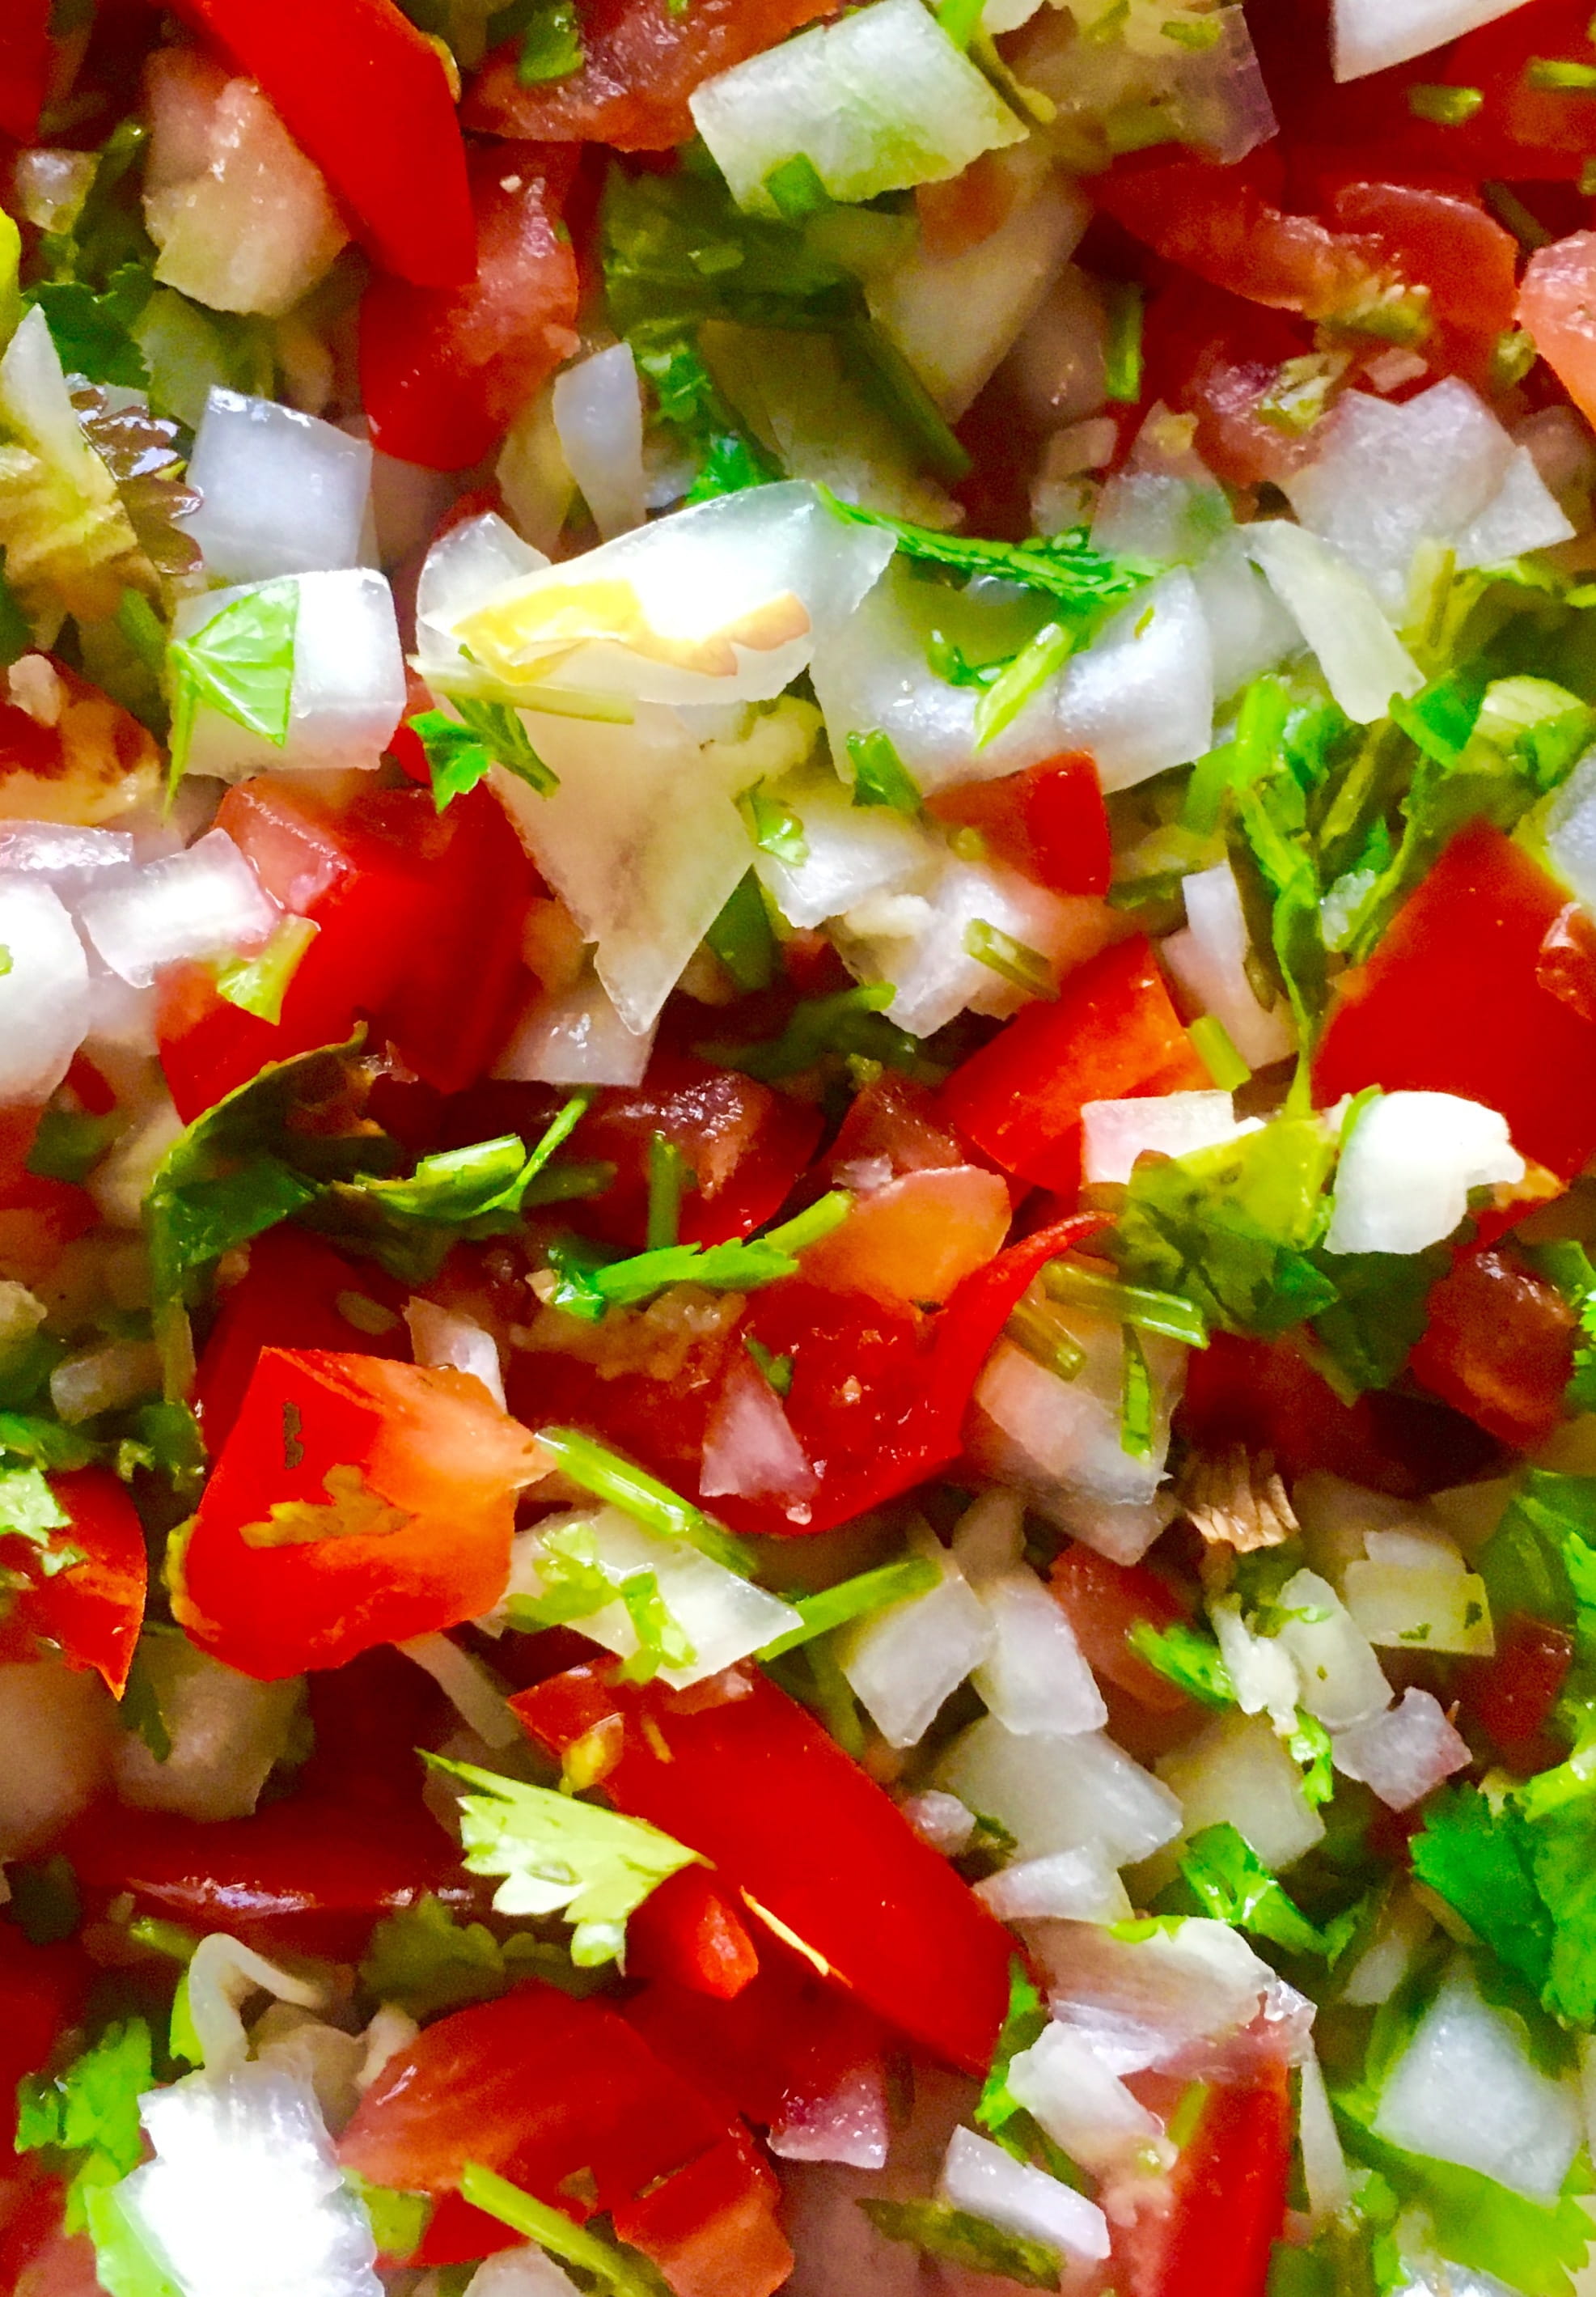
566, 2100
782, 2045
1476, 989
293, 1295
689, 1932
93, 1610
1114, 1032
641, 59
24, 67
1228, 2204
1499, 1346
354, 1503
1049, 821
758, 1787
445, 369
364, 94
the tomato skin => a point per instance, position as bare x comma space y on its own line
689, 1932
1458, 997
1555, 304
642, 62
1229, 2187
784, 2041
1114, 1032
445, 369
24, 68
91, 1611
1103, 1601
915, 1237
1048, 821
895, 1120
1522, 132
1513, 1694
712, 2229
757, 1786
288, 1298
364, 95
1499, 1346
428, 1445
1209, 353
1442, 239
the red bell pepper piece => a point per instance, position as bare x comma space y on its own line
354, 1503
563, 2097
689, 1932
93, 1610
1499, 1346
446, 368
758, 1787
1112, 1033
1049, 821
1229, 2206
24, 67
364, 96
1477, 989
291, 1295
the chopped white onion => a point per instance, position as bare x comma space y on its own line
1363, 661
979, 2176
853, 852
1056, 366
576, 1037
283, 493
63, 856
1402, 1928
245, 2197
1409, 1607
226, 1732
941, 1819
468, 1685
1076, 1885
58, 1726
875, 102
1167, 1124
903, 1662
206, 901
1324, 2164
1466, 2090
1341, 1678
749, 1446
1034, 1676
1082, 2106
223, 1973
1372, 34
330, 2059
1060, 1794
850, 2125
44, 991
120, 1181
1195, 2000
443, 1336
1522, 515
989, 1539
1262, 1675
1571, 831
1122, 1530
105, 1379
1208, 958
1140, 698
1068, 1432
528, 2272
1405, 1176
1236, 1772
1404, 1754
598, 413
1249, 631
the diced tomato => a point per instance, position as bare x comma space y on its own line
1514, 1693
1209, 353
1442, 239
42, 1989
642, 59
566, 2100
915, 1237
1228, 2204
1498, 1345
1048, 821
356, 1501
758, 1787
24, 67
31, 2208
1103, 1601
91, 1611
445, 370
1521, 131
1114, 1032
39, 1216
712, 2229
1460, 998
688, 1931
1557, 305
418, 922
88, 757
893, 1121
364, 94
293, 1295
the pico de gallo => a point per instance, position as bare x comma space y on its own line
797, 1148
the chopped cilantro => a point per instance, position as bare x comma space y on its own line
576, 1585
1233, 1885
855, 1599
28, 1508
427, 1961
773, 825
777, 1370
1014, 961
460, 751
90, 2111
1309, 1744
551, 46
1037, 661
850, 1024
398, 2220
1480, 1859
742, 937
1064, 565
880, 776
614, 2270
654, 1505
1136, 1410
258, 985
669, 1176
939, 2230
1184, 1655
1374, 1325
589, 1286
239, 662
1122, 351
1075, 1284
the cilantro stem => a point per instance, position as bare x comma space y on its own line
654, 1505
553, 2231
854, 1599
670, 1175
1074, 1286
1025, 675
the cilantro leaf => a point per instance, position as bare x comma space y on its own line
1372, 1328
92, 329
1025, 2023
28, 1508
1064, 565
91, 2110
1232, 1884
743, 938
575, 1585
559, 1854
460, 751
854, 1599
125, 2264
590, 1287
849, 1024
1184, 1655
595, 1469
880, 776
938, 2229
426, 1961
1480, 1860
240, 662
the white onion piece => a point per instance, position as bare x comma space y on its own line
749, 1446
1237, 1774
120, 1181
463, 566
1416, 1546
1324, 2164
848, 2126
723, 602
307, 2047
1167, 1124
58, 1726
1122, 1530
854, 851
1069, 1431
1406, 1607
1571, 831
57, 854
20, 1315
903, 1662
723, 1616
598, 415
1522, 515
533, 478
1140, 698
954, 317
1157, 514
1404, 1754
226, 1732
1338, 1519
1183, 1999
873, 101
1363, 661
1077, 1886
468, 1686
529, 2272
391, 2032
1340, 1676
283, 493
349, 681
1262, 1675
989, 1540
1208, 958
443, 1336
1249, 631
1056, 366
1060, 1794
1034, 1676
204, 902
1405, 1176
1224, 106
1464, 2090
245, 2197
105, 1379
576, 1037
1372, 34
979, 2176
1402, 1928
1081, 2105
222, 1976
44, 991
941, 1819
